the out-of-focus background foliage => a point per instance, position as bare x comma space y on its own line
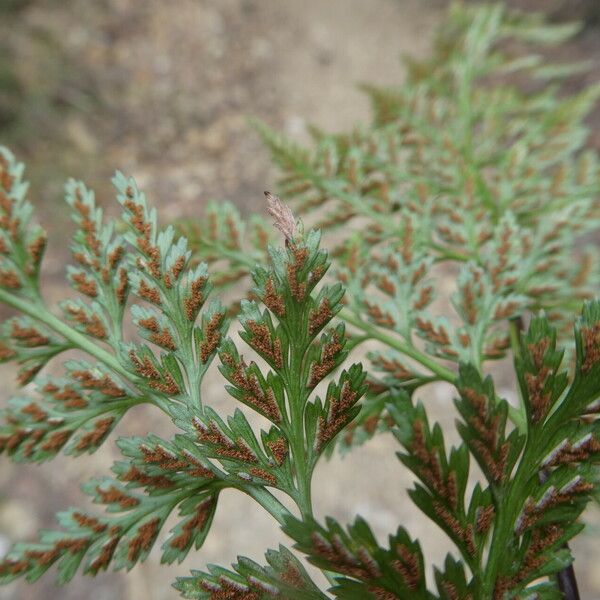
162, 90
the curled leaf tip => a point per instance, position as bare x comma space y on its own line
282, 215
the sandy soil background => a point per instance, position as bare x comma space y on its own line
162, 91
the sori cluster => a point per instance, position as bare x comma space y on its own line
461, 172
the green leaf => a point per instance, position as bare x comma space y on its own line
284, 577
158, 477
364, 566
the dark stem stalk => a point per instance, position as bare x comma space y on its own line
567, 582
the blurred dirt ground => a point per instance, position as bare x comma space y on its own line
163, 91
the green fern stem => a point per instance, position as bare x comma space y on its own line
39, 312
508, 506
273, 506
516, 415
297, 402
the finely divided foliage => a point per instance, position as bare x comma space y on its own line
76, 411
458, 170
289, 326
